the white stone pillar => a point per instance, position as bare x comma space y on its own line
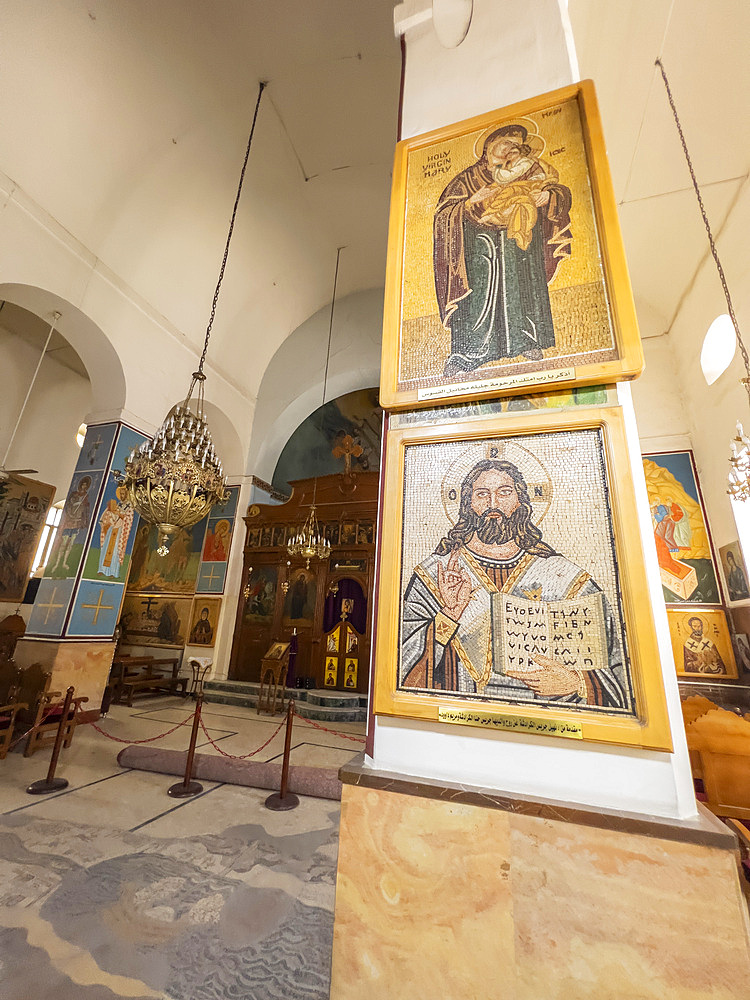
512, 51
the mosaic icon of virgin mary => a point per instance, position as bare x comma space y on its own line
501, 230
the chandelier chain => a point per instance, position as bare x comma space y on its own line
330, 321
707, 224
261, 87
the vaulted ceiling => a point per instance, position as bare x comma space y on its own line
127, 122
702, 46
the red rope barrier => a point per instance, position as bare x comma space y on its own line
244, 756
151, 739
335, 732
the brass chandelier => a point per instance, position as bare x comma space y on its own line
310, 542
174, 480
739, 461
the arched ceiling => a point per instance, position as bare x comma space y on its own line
703, 47
127, 122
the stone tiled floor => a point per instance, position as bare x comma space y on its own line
112, 889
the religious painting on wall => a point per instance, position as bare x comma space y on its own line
701, 643
683, 543
299, 603
108, 558
204, 620
260, 595
735, 571
528, 284
148, 620
212, 573
80, 505
341, 436
23, 510
511, 578
174, 573
330, 677
97, 444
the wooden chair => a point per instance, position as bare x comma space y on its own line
9, 703
41, 709
49, 714
10, 677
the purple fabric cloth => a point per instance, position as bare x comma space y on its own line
332, 611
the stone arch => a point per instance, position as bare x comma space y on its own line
101, 360
292, 385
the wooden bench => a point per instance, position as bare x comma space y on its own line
151, 675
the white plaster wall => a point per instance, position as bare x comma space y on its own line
512, 51
714, 410
58, 404
138, 362
663, 419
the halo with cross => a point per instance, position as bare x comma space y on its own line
538, 480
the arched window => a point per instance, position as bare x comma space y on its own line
47, 538
718, 349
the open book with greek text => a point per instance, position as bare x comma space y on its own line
572, 632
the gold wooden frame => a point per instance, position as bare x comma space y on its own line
650, 728
629, 361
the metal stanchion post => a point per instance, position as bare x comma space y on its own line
282, 799
51, 783
185, 788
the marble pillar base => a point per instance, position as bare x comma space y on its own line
440, 898
85, 665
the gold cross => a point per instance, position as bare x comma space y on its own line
347, 448
51, 605
98, 606
210, 578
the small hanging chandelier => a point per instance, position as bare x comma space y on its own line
174, 480
310, 542
739, 472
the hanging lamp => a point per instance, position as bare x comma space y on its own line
310, 542
739, 461
174, 480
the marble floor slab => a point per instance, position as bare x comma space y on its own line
112, 889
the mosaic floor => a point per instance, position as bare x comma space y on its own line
112, 890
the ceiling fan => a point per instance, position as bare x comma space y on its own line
6, 474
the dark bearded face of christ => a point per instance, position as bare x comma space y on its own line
495, 506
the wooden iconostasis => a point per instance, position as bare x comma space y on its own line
329, 603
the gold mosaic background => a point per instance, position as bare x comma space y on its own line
578, 299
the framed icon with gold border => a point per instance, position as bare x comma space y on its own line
506, 271
512, 578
